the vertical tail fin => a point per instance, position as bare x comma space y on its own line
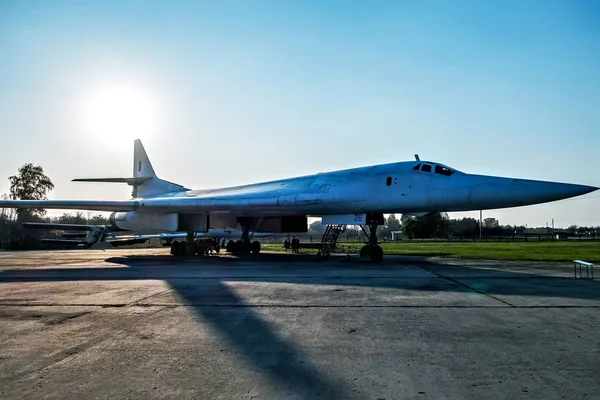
141, 163
145, 182
142, 168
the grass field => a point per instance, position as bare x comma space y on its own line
518, 251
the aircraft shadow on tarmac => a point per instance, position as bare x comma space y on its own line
257, 340
465, 278
280, 361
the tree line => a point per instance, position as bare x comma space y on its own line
440, 225
31, 183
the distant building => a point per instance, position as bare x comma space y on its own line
397, 235
561, 235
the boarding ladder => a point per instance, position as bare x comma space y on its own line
329, 240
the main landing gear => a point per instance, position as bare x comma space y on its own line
203, 246
245, 245
195, 246
241, 247
372, 249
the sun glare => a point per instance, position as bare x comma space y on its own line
120, 113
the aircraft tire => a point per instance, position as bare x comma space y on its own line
365, 251
376, 253
230, 248
255, 247
199, 248
239, 247
175, 249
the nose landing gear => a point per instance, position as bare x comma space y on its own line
372, 249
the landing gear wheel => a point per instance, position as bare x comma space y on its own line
365, 251
374, 252
255, 247
230, 248
377, 253
200, 248
175, 249
239, 247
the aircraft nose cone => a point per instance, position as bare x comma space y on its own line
505, 192
578, 190
551, 190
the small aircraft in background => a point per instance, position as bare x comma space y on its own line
86, 236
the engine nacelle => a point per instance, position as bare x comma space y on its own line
145, 222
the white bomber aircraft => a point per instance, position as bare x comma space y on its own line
358, 196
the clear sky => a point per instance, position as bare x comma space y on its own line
229, 92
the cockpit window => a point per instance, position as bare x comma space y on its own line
443, 170
416, 167
426, 168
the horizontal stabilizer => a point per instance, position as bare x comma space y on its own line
130, 181
144, 181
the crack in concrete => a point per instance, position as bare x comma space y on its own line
71, 352
468, 287
133, 303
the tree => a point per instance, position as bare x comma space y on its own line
316, 228
465, 227
66, 218
392, 223
80, 218
490, 223
7, 213
437, 224
433, 225
98, 220
6, 223
409, 227
30, 184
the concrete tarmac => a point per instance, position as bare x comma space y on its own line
140, 324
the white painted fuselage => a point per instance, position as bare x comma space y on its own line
410, 187
388, 188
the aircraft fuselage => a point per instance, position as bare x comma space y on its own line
387, 188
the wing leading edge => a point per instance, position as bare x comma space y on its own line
92, 205
166, 204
